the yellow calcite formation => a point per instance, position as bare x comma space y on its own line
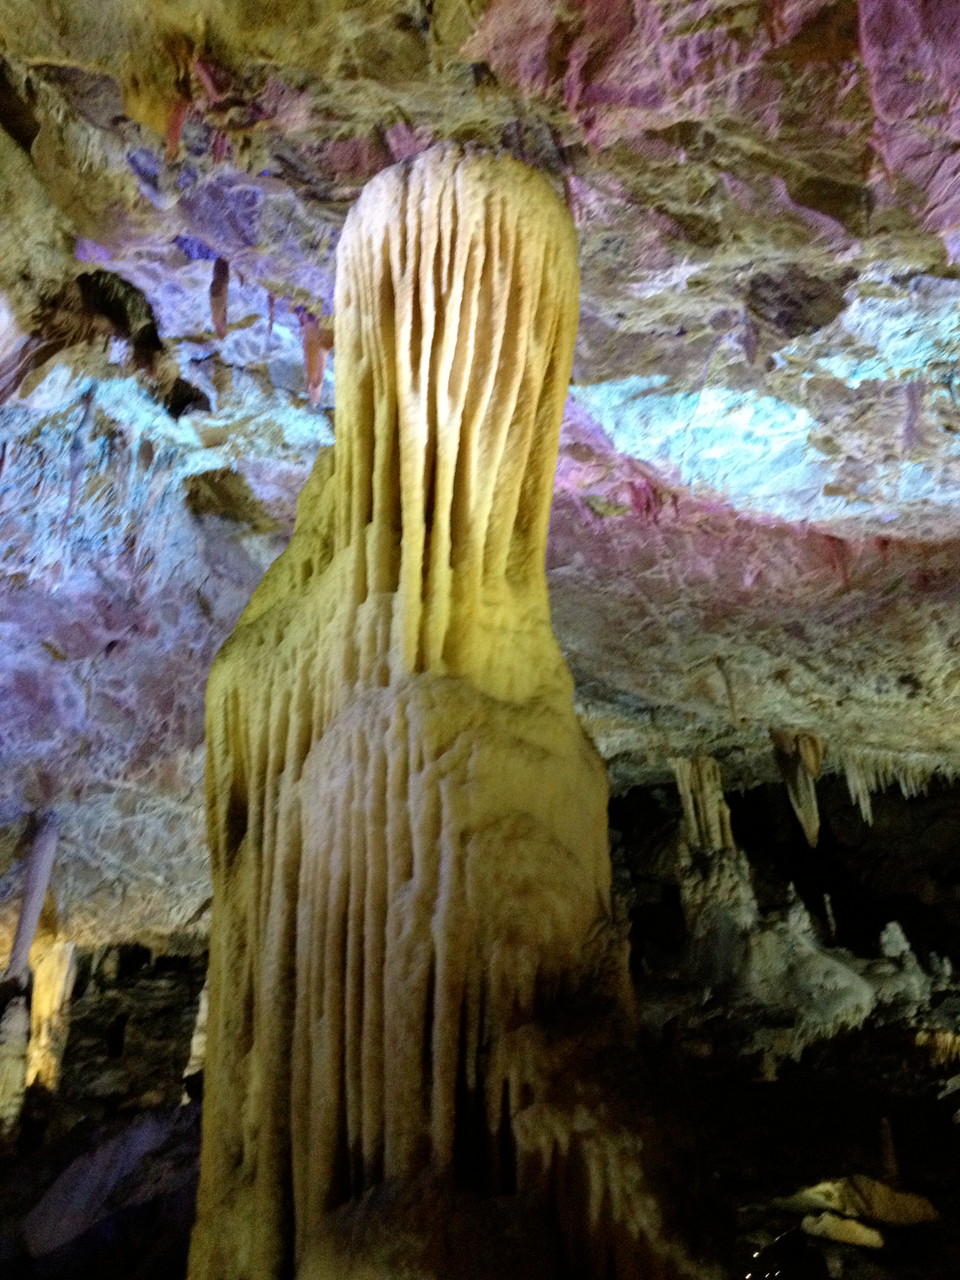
54, 971
706, 814
407, 823
799, 757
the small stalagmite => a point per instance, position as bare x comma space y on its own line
407, 823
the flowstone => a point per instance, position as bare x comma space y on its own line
408, 825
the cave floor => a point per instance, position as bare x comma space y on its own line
869, 1102
850, 1106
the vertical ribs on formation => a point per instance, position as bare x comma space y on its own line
407, 823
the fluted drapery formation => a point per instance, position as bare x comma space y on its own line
408, 826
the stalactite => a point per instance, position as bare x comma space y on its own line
799, 758
54, 971
944, 1046
860, 784
705, 812
867, 772
407, 823
36, 879
317, 344
15, 1019
198, 1043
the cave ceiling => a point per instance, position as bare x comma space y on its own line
757, 503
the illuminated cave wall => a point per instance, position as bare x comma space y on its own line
754, 528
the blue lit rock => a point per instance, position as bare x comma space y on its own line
757, 505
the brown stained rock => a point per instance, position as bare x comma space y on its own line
795, 302
226, 493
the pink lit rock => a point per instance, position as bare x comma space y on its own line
766, 202
912, 56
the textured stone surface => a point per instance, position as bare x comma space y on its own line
758, 498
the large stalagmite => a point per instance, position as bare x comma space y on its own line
408, 825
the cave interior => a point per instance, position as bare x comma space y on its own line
751, 565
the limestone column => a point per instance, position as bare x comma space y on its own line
407, 823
